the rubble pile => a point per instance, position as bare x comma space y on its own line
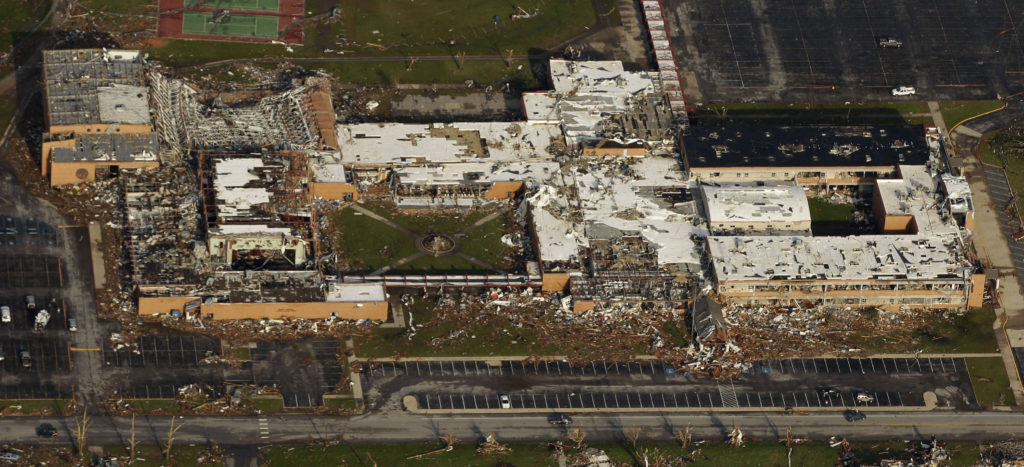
1004, 454
617, 334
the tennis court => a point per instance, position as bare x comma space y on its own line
246, 5
234, 25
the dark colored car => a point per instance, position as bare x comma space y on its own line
46, 430
560, 419
854, 415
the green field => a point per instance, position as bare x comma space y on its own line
954, 112
245, 5
368, 244
891, 113
18, 16
233, 26
991, 384
430, 27
970, 332
121, 7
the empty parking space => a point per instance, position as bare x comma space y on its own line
35, 390
30, 271
44, 355
24, 318
162, 351
18, 232
838, 366
641, 399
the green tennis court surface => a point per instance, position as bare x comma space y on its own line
251, 5
234, 25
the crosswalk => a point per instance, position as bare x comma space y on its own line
264, 428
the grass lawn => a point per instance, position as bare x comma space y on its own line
182, 454
963, 453
417, 26
123, 7
754, 453
954, 112
831, 218
154, 405
388, 73
241, 353
988, 375
523, 454
1014, 167
339, 403
496, 336
484, 242
829, 113
367, 243
266, 404
985, 151
35, 406
968, 333
19, 15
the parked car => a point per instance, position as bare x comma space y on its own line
889, 43
864, 398
26, 358
5, 314
854, 415
560, 419
9, 456
904, 91
2, 355
72, 324
506, 403
30, 302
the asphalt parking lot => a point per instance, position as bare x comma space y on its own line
804, 50
162, 351
999, 189
470, 384
726, 397
162, 364
564, 369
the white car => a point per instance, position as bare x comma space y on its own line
506, 403
904, 91
5, 314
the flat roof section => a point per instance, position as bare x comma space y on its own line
763, 258
73, 79
778, 202
706, 146
403, 144
120, 147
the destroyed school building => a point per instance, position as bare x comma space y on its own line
623, 205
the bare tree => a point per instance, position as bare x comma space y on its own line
370, 458
684, 437
412, 61
508, 57
449, 440
633, 433
131, 444
170, 438
460, 59
81, 427
576, 435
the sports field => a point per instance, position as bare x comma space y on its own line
242, 21
247, 5
195, 22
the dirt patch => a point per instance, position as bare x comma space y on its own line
154, 43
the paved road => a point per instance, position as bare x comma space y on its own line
404, 427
